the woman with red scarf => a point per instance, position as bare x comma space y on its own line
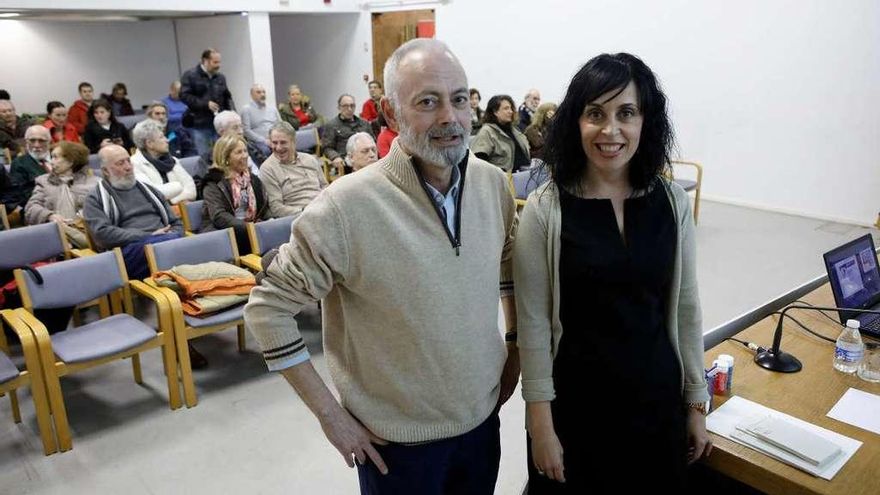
233, 197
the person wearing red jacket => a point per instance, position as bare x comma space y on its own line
78, 115
370, 110
59, 127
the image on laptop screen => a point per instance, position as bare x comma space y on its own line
853, 273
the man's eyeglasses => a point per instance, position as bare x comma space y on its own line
350, 105
37, 141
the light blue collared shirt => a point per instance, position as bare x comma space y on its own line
448, 202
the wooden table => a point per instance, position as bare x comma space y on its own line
807, 395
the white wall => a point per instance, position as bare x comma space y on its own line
261, 54
228, 34
45, 60
778, 99
326, 55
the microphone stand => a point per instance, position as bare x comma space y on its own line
774, 359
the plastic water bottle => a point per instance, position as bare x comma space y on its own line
849, 349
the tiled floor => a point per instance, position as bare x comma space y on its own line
250, 432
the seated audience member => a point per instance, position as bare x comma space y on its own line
232, 195
118, 98
78, 115
370, 110
386, 136
12, 129
180, 143
103, 129
499, 141
122, 212
291, 179
335, 134
59, 127
26, 168
156, 167
476, 111
528, 108
537, 130
175, 106
59, 195
298, 110
360, 151
257, 118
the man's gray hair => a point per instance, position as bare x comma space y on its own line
351, 145
392, 85
223, 119
282, 126
154, 104
144, 130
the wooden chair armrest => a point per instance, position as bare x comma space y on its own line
252, 262
163, 311
82, 253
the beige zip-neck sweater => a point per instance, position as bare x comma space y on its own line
410, 325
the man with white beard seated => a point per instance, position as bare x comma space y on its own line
122, 212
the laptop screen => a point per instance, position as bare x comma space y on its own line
854, 276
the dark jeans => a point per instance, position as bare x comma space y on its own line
136, 260
462, 465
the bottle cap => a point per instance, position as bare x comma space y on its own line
853, 323
727, 358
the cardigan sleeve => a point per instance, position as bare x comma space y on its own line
690, 317
531, 275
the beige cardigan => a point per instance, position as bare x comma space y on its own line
410, 323
536, 269
44, 199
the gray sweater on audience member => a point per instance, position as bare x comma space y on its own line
138, 217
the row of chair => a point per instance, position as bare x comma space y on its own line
101, 279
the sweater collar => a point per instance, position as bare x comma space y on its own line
398, 164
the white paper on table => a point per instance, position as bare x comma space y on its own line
858, 408
723, 422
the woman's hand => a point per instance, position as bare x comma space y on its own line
56, 218
106, 142
699, 443
546, 448
547, 455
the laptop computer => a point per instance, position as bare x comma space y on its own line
855, 281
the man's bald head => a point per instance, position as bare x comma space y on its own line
37, 131
258, 93
116, 166
413, 53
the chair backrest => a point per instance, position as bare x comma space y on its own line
129, 121
191, 215
190, 164
269, 234
72, 282
306, 139
218, 245
26, 245
94, 161
526, 181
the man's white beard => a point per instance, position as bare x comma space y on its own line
421, 146
126, 182
39, 156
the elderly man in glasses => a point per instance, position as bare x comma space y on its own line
26, 168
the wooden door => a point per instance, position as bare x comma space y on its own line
392, 29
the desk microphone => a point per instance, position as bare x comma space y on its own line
775, 360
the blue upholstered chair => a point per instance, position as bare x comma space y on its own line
307, 139
522, 183
116, 335
11, 378
129, 121
190, 164
218, 245
191, 216
266, 235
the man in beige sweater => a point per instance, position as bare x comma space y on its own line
291, 179
410, 256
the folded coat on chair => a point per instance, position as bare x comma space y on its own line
207, 287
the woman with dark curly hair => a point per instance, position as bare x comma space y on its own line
607, 304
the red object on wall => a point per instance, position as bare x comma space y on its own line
425, 29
